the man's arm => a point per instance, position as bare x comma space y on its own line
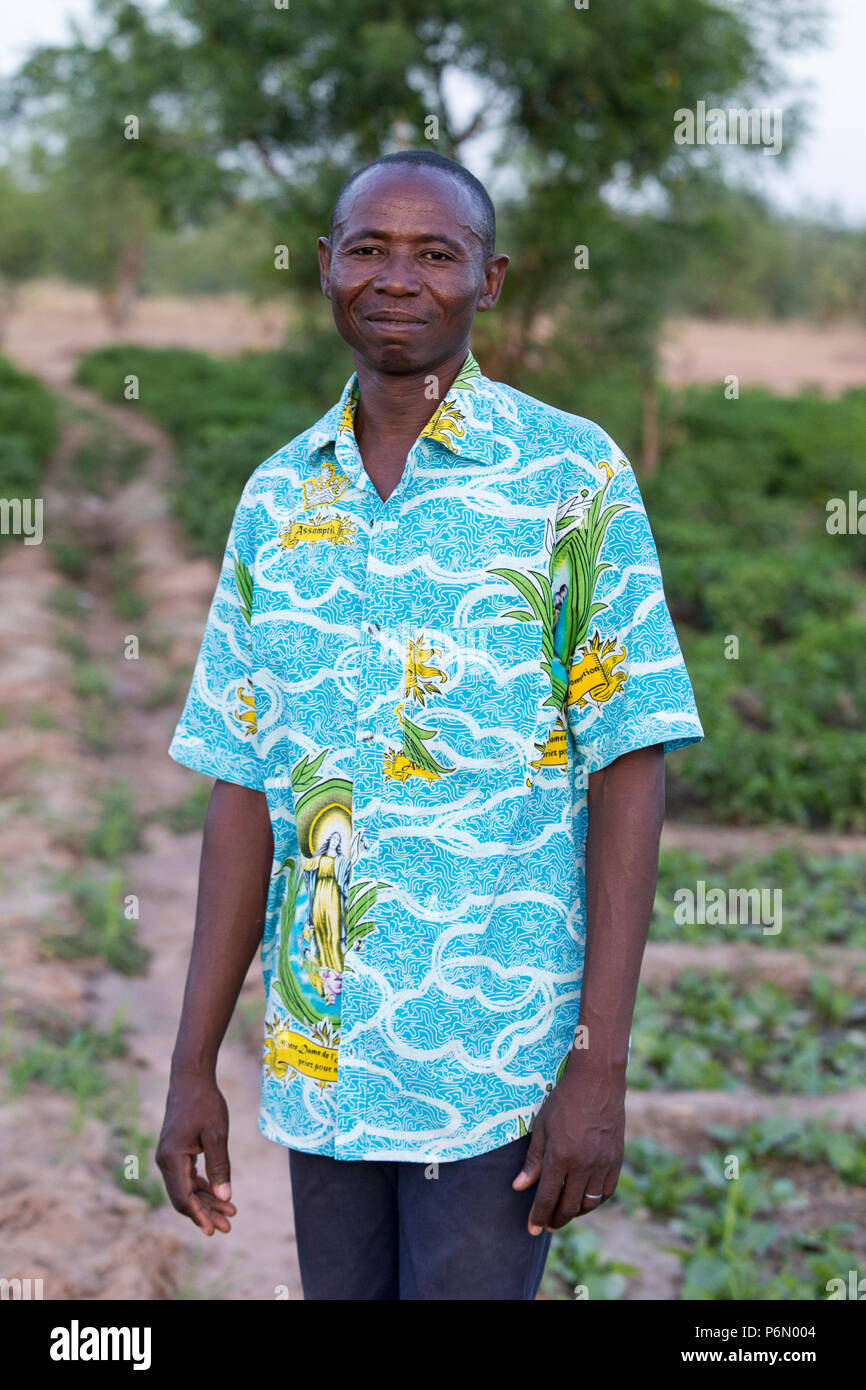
579, 1133
234, 874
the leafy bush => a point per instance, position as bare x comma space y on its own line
739, 1236
708, 1033
738, 510
102, 930
225, 414
823, 898
28, 432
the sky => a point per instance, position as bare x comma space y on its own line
827, 176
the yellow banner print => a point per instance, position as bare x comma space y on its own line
310, 533
310, 1059
585, 677
555, 750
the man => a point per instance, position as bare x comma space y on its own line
436, 687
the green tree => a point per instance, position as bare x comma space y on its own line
22, 239
571, 111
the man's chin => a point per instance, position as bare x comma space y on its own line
397, 357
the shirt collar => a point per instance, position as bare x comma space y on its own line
463, 421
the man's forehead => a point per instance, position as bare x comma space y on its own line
411, 202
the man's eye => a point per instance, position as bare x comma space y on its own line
443, 255
362, 250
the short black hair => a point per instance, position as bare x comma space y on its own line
432, 160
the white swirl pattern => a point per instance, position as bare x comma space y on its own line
420, 687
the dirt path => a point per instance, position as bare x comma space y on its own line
259, 1255
124, 1249
62, 1218
718, 843
55, 322
787, 357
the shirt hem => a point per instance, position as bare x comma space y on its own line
359, 1152
671, 739
200, 760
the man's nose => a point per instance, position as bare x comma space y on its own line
399, 274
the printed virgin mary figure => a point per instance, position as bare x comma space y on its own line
326, 879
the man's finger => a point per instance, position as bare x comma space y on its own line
218, 1203
546, 1196
192, 1206
216, 1219
571, 1200
179, 1175
596, 1191
532, 1163
216, 1162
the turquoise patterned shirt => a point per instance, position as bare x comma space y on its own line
420, 687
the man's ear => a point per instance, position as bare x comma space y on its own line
325, 265
494, 274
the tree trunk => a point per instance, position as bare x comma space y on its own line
649, 422
119, 297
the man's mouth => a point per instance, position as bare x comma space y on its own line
396, 320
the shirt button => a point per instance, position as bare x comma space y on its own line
373, 629
365, 735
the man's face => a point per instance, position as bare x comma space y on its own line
405, 272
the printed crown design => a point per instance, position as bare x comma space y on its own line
324, 488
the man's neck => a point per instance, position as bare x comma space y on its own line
393, 409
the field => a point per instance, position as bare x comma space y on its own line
747, 1108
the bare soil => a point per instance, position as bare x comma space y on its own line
62, 1218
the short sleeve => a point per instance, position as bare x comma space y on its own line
628, 686
216, 732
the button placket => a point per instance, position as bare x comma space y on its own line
367, 781
347, 1095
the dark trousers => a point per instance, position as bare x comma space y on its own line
386, 1230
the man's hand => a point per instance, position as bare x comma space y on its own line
578, 1137
234, 874
576, 1149
197, 1121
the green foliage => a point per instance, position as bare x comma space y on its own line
117, 831
226, 416
785, 1138
708, 1033
577, 1260
231, 97
187, 816
126, 601
744, 259
107, 460
823, 898
130, 1140
71, 558
22, 233
738, 1238
28, 432
232, 251
43, 718
69, 1059
102, 929
738, 511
